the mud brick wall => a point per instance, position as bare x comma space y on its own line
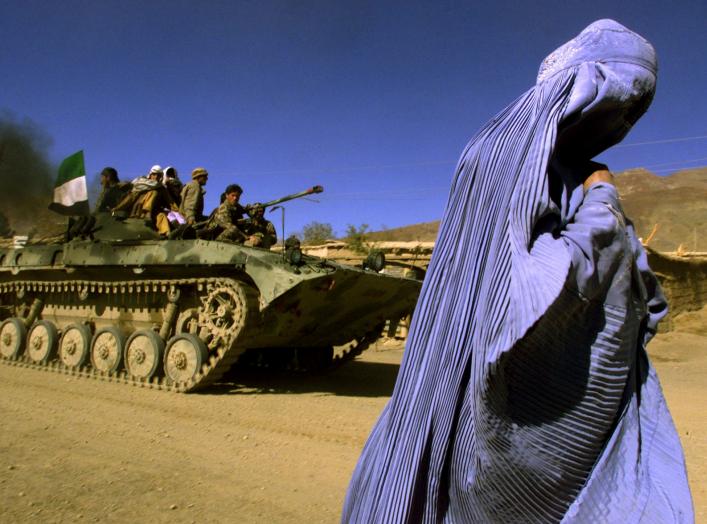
684, 282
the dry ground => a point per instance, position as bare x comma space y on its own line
263, 449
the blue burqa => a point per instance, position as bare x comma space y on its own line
525, 393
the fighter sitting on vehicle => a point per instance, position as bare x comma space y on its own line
224, 221
260, 232
192, 196
148, 199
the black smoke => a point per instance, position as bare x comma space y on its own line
5, 229
26, 178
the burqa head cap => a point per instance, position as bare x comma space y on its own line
614, 85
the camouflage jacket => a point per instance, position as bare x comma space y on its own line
192, 205
261, 228
226, 216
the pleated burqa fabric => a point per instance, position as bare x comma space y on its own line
525, 393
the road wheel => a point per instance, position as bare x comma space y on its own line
74, 345
185, 355
107, 349
12, 337
42, 341
143, 354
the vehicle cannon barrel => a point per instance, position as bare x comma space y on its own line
310, 191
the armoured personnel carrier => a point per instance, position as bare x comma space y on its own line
122, 304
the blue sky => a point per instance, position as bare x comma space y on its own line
372, 100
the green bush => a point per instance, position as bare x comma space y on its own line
356, 239
317, 233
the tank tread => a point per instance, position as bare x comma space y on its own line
292, 364
218, 363
354, 349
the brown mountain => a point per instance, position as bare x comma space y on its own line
424, 232
676, 205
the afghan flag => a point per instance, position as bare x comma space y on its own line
70, 190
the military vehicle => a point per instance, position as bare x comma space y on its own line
119, 303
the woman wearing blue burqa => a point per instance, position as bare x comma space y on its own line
525, 393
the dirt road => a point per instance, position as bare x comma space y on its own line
260, 449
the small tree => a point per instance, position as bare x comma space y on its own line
356, 239
317, 233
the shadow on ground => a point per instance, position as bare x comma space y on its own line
355, 379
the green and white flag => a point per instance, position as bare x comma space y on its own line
70, 190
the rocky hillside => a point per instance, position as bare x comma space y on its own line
424, 232
675, 205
